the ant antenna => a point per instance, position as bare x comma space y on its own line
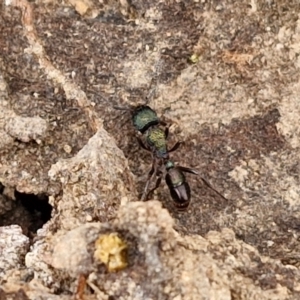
154, 80
213, 189
121, 108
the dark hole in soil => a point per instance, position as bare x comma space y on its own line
29, 211
38, 208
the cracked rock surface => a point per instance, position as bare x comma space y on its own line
224, 76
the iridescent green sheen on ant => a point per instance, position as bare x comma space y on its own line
156, 139
144, 117
146, 121
176, 177
169, 165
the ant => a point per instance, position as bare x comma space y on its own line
146, 121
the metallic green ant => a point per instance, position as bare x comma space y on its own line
146, 121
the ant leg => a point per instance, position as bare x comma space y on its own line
184, 169
162, 123
142, 144
175, 147
188, 170
166, 132
157, 184
149, 177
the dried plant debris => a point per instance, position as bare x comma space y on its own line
111, 251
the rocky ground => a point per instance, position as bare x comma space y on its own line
223, 74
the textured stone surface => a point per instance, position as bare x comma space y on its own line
26, 129
13, 247
224, 75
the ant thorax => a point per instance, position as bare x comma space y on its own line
156, 140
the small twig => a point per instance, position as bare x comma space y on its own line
80, 287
